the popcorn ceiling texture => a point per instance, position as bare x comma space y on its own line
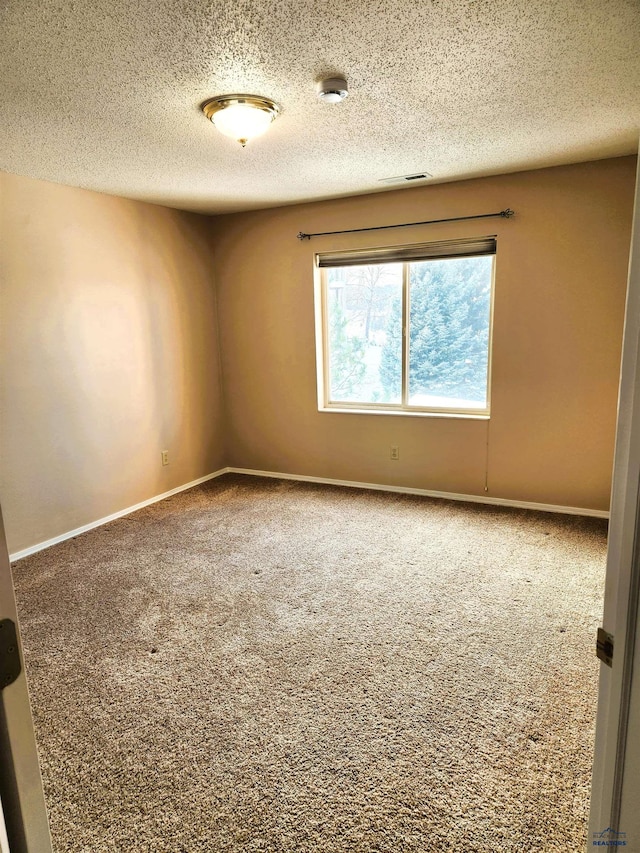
272, 666
105, 94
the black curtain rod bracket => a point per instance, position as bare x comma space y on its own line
505, 214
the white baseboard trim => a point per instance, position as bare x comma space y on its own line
33, 549
352, 484
449, 496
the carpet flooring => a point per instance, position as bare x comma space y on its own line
260, 665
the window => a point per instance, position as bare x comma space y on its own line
406, 329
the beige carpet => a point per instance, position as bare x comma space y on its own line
259, 665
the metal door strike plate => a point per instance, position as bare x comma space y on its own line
604, 647
10, 666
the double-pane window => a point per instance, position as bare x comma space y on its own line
408, 329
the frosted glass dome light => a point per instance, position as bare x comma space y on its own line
241, 117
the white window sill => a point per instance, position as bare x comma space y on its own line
471, 416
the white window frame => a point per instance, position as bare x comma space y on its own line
405, 255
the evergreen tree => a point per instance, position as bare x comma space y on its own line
391, 356
346, 355
448, 330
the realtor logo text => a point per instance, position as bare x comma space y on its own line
609, 838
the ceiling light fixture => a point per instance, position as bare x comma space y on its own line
332, 90
242, 117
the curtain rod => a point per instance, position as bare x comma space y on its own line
505, 214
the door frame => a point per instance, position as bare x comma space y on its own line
622, 584
21, 794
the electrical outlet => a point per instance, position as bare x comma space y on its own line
395, 452
165, 457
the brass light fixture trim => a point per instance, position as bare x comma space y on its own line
216, 105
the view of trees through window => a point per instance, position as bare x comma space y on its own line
449, 308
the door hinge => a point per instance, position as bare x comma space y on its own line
604, 647
10, 666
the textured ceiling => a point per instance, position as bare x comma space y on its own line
105, 94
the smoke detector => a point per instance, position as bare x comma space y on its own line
333, 90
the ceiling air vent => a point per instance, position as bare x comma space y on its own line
406, 179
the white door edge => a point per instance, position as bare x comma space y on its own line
623, 569
24, 812
4, 841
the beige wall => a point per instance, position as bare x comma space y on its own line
109, 346
559, 304
109, 355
